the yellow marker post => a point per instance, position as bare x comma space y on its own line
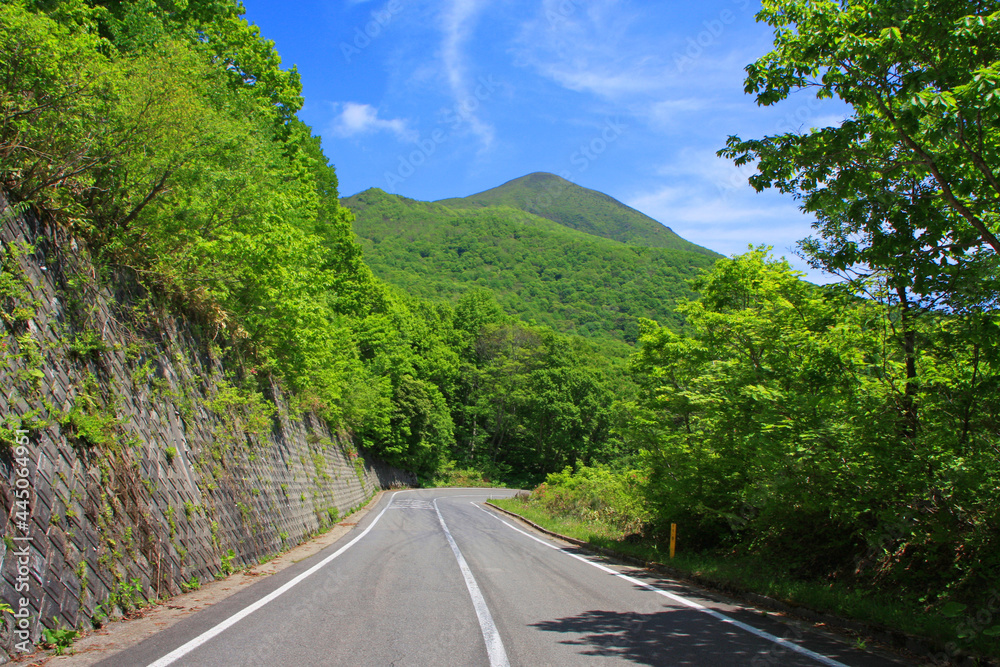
673, 538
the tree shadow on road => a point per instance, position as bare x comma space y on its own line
669, 637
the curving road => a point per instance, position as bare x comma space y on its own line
431, 577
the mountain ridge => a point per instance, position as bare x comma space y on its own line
590, 211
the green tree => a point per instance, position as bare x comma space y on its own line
477, 309
906, 186
783, 423
905, 193
741, 414
53, 104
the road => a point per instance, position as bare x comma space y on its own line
432, 578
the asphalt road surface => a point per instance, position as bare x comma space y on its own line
432, 578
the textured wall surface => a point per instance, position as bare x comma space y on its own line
130, 465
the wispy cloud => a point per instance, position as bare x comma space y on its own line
589, 48
730, 224
708, 201
679, 208
676, 112
355, 119
641, 60
458, 22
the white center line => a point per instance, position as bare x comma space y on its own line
494, 645
792, 646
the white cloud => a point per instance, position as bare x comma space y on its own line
355, 119
675, 113
609, 49
708, 201
458, 22
728, 215
603, 81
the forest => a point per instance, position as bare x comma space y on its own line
849, 433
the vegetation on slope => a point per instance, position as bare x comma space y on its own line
563, 278
553, 197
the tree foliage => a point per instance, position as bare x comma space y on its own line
784, 423
887, 411
908, 183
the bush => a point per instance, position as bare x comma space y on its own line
595, 494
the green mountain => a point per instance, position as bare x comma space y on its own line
550, 196
541, 270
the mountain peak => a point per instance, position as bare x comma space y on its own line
538, 178
555, 198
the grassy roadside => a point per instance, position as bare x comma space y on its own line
461, 478
965, 633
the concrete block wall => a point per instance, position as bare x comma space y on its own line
181, 491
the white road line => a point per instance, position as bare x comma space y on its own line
183, 650
792, 646
494, 645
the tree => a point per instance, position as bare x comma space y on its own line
905, 191
910, 182
53, 108
746, 410
906, 194
216, 27
477, 309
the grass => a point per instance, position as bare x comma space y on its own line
967, 633
596, 532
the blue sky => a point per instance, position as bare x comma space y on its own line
449, 98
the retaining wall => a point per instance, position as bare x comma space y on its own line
142, 470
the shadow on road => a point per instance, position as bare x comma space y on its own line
671, 637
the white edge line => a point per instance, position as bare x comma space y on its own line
184, 649
494, 645
818, 657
